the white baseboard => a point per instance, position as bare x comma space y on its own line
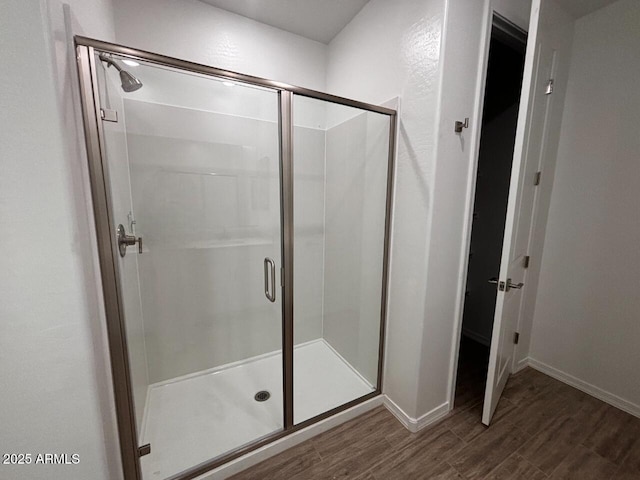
521, 364
592, 390
416, 424
279, 446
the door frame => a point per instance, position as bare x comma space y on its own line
108, 255
490, 19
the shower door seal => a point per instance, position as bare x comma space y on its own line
108, 255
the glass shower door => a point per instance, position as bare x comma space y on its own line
194, 176
340, 186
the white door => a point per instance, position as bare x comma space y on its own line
538, 119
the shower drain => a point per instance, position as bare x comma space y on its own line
262, 396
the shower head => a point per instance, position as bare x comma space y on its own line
128, 81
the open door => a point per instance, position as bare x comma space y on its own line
539, 119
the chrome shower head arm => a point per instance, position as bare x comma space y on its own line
109, 61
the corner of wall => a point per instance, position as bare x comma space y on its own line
416, 424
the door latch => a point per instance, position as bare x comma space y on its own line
501, 285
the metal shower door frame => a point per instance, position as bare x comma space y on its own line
108, 254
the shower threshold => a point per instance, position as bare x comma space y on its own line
195, 418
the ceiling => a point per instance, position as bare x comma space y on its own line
317, 20
322, 20
579, 8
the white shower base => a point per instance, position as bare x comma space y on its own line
195, 418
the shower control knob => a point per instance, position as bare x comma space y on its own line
125, 240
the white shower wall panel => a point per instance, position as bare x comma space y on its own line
356, 174
207, 204
308, 212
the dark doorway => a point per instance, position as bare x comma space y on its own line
499, 121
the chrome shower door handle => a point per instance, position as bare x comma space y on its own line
270, 265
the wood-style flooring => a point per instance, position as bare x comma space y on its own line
542, 429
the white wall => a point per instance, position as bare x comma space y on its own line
195, 31
56, 387
586, 317
553, 38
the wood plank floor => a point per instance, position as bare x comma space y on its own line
543, 429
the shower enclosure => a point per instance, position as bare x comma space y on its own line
243, 230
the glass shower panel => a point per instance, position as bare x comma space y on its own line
194, 168
340, 167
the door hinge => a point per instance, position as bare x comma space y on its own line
516, 338
109, 115
144, 450
527, 259
536, 178
549, 89
282, 276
